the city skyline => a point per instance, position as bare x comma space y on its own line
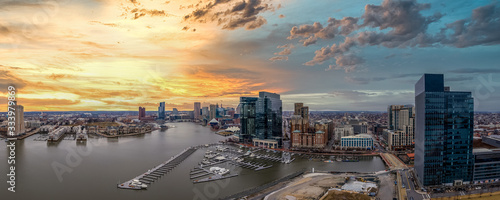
125, 54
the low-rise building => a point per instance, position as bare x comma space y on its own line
266, 143
486, 165
493, 140
363, 141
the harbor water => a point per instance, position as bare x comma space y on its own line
92, 170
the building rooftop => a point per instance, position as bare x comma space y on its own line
359, 136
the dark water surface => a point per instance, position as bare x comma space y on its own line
92, 171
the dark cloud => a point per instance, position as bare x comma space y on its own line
482, 28
400, 24
7, 78
316, 30
241, 14
346, 62
335, 50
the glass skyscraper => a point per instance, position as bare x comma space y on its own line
269, 116
247, 118
261, 119
161, 111
443, 133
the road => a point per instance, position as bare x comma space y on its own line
409, 186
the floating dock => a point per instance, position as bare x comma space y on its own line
154, 174
205, 172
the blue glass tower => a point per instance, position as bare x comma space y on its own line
443, 133
247, 117
161, 111
269, 116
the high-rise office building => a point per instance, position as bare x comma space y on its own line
205, 113
19, 119
443, 133
213, 111
197, 111
269, 116
142, 112
400, 134
261, 120
247, 118
175, 111
161, 111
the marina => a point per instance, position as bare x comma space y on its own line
157, 172
144, 151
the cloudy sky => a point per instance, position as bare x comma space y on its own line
329, 54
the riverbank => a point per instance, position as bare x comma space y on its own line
123, 135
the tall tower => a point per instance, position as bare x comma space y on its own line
443, 133
197, 106
161, 110
213, 111
19, 119
269, 116
247, 116
142, 112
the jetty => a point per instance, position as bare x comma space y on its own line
157, 172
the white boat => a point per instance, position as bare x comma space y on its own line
252, 155
223, 171
205, 162
220, 158
219, 170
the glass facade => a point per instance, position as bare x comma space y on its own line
443, 133
487, 166
161, 111
269, 116
247, 117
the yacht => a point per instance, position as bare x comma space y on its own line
205, 162
219, 170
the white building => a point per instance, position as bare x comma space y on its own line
364, 141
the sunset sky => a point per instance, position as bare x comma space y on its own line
356, 55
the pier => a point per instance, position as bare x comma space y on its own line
157, 172
57, 134
205, 172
